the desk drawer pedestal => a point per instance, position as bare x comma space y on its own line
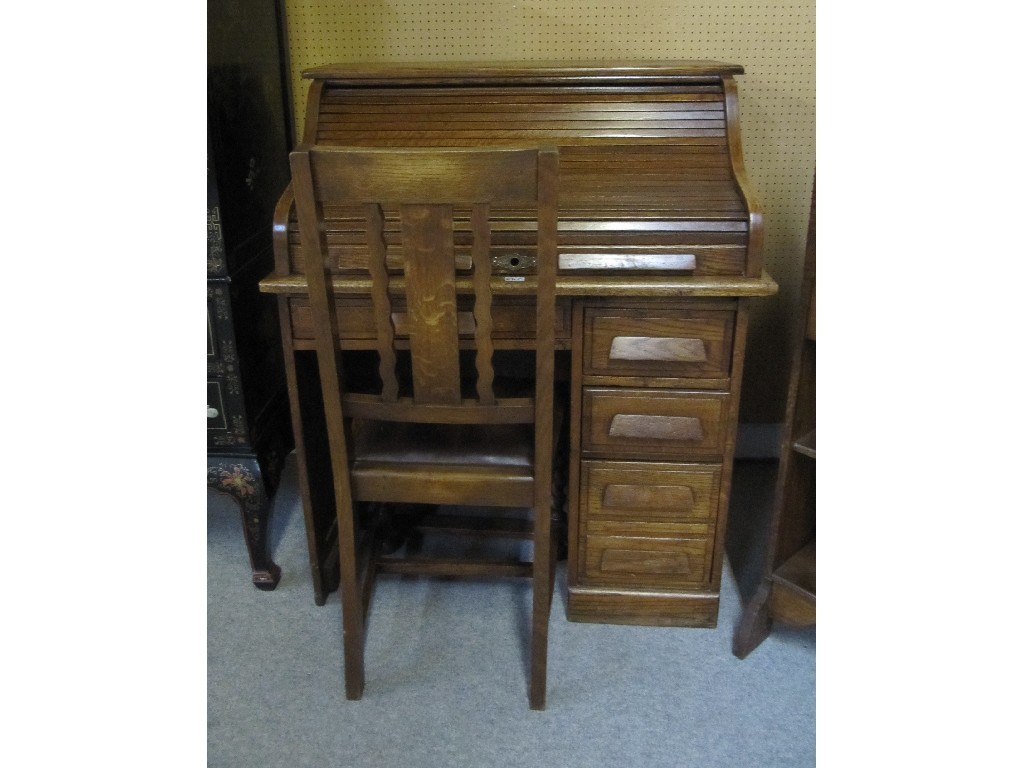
646, 543
655, 395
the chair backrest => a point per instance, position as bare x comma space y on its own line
426, 186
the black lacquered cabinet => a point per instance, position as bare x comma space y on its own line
248, 138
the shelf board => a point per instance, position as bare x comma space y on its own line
807, 445
798, 572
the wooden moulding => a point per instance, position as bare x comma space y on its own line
453, 568
634, 286
643, 607
525, 72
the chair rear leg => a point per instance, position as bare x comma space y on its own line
543, 581
353, 619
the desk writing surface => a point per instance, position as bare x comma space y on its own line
635, 285
651, 175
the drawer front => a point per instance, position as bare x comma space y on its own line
626, 498
642, 561
635, 342
226, 425
654, 423
221, 354
511, 319
216, 413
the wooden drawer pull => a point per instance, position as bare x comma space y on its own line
658, 348
656, 427
674, 497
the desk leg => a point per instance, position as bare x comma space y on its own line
755, 624
242, 479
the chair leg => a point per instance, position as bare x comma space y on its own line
543, 582
352, 613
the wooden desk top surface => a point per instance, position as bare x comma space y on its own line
567, 285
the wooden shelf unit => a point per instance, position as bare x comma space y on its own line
787, 589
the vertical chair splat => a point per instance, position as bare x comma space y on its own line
429, 253
482, 304
381, 301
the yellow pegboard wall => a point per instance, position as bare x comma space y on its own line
775, 43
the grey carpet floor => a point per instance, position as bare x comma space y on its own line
446, 672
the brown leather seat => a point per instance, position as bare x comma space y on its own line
442, 444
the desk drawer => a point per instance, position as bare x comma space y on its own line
654, 423
664, 343
216, 412
640, 562
632, 497
511, 318
226, 425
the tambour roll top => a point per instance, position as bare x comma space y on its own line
651, 174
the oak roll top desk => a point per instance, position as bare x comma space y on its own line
659, 254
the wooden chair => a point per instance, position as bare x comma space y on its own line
430, 438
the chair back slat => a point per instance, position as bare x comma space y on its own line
547, 257
427, 186
481, 226
381, 301
431, 301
